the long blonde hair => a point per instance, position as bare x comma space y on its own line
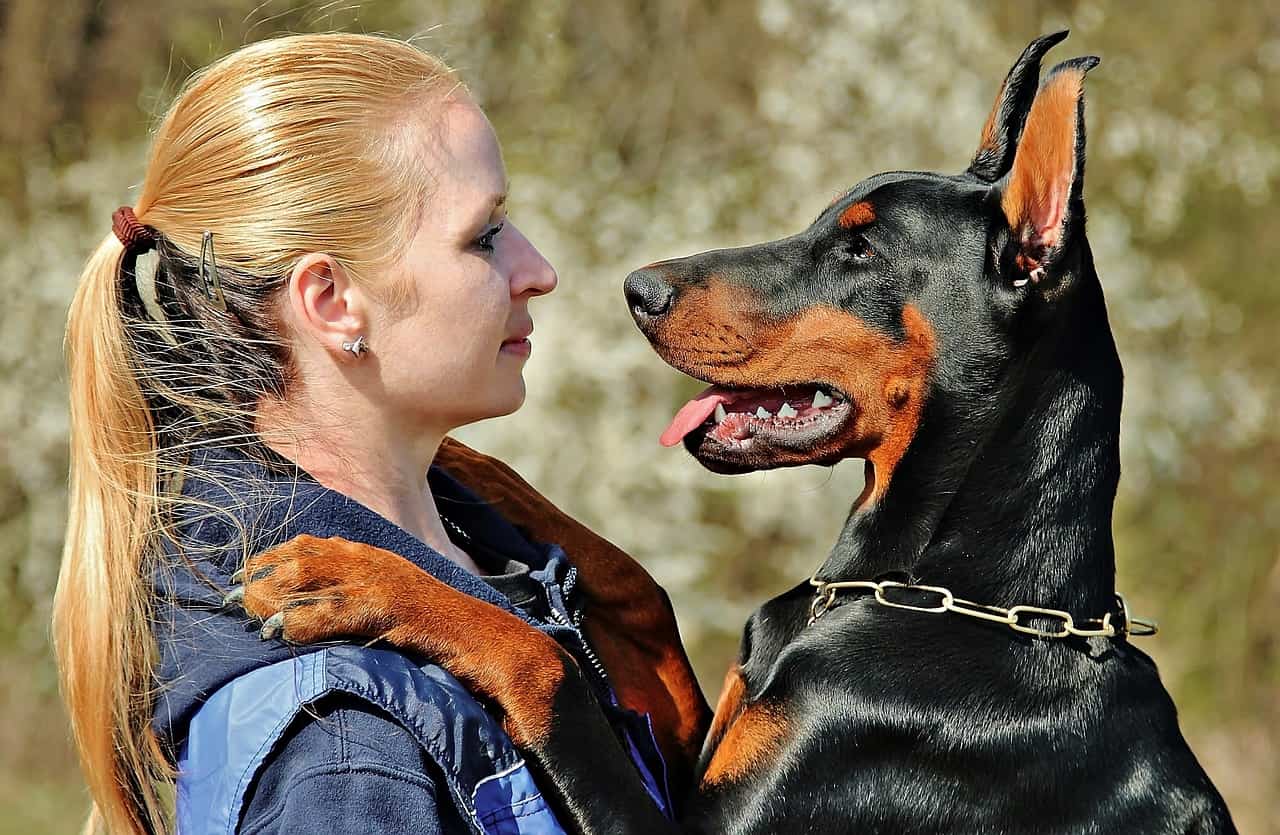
305, 143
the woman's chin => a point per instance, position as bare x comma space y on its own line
515, 403
499, 401
510, 399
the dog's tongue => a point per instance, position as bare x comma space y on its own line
692, 415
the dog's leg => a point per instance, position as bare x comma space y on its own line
629, 621
312, 589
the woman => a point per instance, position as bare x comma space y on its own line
335, 285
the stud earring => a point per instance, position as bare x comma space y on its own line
358, 348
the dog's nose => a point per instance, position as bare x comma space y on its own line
648, 293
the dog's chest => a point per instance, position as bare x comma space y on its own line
771, 633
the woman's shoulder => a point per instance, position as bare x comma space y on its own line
432, 707
368, 729
351, 766
454, 728
392, 746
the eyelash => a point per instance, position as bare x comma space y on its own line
485, 242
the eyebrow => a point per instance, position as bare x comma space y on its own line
485, 209
501, 199
857, 214
496, 201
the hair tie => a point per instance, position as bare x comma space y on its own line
135, 236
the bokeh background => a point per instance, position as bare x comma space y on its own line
641, 129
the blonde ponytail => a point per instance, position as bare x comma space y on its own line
101, 607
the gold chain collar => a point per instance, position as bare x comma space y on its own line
1105, 627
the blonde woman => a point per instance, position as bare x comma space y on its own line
317, 282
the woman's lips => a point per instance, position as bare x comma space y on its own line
519, 347
518, 343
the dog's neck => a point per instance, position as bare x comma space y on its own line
1026, 519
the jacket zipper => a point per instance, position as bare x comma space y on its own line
576, 625
556, 615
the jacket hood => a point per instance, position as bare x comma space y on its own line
242, 502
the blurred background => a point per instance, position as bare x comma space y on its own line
641, 129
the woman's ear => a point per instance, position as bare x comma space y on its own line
1041, 198
325, 303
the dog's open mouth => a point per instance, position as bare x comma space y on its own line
748, 429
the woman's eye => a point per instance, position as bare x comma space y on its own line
486, 241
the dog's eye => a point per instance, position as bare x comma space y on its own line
860, 248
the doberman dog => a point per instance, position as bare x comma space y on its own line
960, 662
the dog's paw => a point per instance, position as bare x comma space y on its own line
311, 589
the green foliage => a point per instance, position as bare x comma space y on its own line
641, 130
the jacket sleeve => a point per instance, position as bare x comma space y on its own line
346, 767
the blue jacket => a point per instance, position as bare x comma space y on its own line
271, 738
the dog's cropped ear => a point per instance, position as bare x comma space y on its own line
1004, 124
1041, 197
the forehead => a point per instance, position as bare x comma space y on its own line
903, 197
463, 151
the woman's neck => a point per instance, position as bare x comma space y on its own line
364, 457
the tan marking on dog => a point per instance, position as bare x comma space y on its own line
727, 706
751, 735
1035, 201
718, 333
858, 214
990, 141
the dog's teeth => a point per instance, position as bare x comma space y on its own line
721, 414
762, 412
786, 411
821, 400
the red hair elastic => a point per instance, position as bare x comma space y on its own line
134, 235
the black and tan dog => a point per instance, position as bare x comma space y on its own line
960, 662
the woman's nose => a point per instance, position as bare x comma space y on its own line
533, 273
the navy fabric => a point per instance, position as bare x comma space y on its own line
216, 768
354, 741
341, 759
488, 784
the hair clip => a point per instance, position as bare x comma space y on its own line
209, 273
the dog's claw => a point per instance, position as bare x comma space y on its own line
234, 599
272, 627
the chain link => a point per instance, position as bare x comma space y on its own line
1109, 625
